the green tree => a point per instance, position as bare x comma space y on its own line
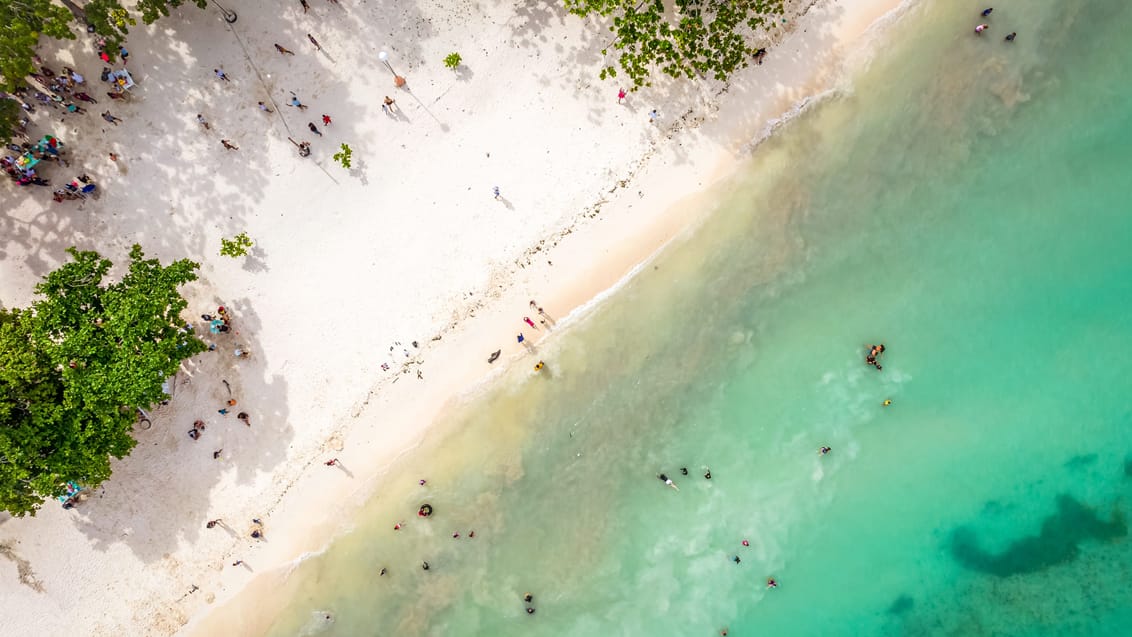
21, 24
690, 38
112, 21
452, 60
237, 246
345, 156
77, 364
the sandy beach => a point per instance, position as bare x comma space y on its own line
373, 296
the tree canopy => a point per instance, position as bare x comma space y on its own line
76, 366
691, 38
22, 22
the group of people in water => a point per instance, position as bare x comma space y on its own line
984, 26
874, 352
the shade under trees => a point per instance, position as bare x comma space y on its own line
76, 366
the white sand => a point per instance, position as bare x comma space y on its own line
409, 245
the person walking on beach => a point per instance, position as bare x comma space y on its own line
296, 103
221, 75
314, 42
314, 129
325, 119
331, 462
263, 107
620, 95
110, 118
237, 562
283, 50
229, 145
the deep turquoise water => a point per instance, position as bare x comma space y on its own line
969, 204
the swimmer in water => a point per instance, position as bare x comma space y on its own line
707, 474
383, 571
530, 610
824, 450
736, 559
528, 598
424, 565
668, 481
1010, 38
982, 27
746, 543
770, 583
886, 402
539, 366
683, 471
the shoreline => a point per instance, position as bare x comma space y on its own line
624, 248
313, 301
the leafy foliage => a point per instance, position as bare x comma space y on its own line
237, 246
112, 21
695, 38
76, 365
21, 24
345, 156
452, 60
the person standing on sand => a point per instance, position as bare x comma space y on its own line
620, 95
495, 191
325, 119
229, 145
283, 50
314, 42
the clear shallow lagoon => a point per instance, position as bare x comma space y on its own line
968, 203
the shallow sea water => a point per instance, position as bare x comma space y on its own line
968, 203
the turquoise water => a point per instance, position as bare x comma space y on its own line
968, 204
